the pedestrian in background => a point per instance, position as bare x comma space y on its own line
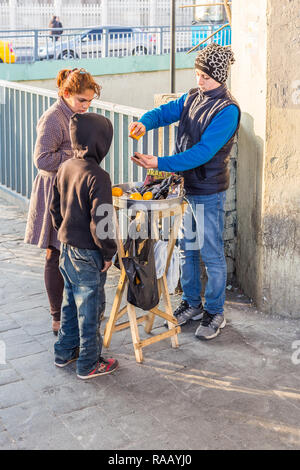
56, 28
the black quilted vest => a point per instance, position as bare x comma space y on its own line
198, 111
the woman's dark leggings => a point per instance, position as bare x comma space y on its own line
54, 282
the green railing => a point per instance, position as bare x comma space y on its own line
20, 109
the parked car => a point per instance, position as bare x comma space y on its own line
121, 41
7, 54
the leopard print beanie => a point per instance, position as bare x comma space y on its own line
215, 60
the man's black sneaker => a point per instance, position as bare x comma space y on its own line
190, 313
181, 307
185, 312
62, 363
210, 325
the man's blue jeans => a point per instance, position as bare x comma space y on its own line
83, 303
202, 233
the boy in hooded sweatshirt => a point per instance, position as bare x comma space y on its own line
81, 211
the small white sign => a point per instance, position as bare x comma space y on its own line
2, 352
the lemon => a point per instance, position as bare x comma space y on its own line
136, 196
147, 195
117, 191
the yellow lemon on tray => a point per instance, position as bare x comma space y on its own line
117, 191
147, 195
136, 196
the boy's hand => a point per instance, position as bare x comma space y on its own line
137, 129
146, 161
107, 265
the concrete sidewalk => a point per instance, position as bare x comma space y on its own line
238, 391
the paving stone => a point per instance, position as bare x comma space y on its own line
21, 305
8, 376
4, 255
135, 424
53, 437
158, 442
47, 340
31, 315
33, 426
117, 406
199, 432
76, 394
40, 324
40, 372
6, 325
23, 349
13, 393
94, 429
4, 316
26, 417
6, 442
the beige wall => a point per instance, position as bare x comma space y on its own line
265, 80
134, 89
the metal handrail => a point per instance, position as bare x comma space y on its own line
32, 45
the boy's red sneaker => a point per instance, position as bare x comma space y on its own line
104, 366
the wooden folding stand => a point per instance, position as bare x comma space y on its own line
116, 313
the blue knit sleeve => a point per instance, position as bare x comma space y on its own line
215, 136
164, 115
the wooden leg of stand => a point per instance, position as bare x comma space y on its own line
114, 311
168, 309
135, 333
150, 317
149, 322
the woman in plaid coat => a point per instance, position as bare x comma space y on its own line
76, 90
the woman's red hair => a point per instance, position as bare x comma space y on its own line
76, 81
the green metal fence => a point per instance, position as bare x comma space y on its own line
20, 109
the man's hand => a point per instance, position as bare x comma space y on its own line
107, 265
146, 161
137, 129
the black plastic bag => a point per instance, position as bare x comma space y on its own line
140, 269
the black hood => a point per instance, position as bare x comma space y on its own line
91, 135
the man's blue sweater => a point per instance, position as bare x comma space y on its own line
215, 136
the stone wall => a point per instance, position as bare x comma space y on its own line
266, 82
230, 232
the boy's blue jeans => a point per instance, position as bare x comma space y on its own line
202, 233
83, 303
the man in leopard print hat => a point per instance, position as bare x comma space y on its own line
208, 118
215, 60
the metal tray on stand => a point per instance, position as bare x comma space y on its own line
123, 202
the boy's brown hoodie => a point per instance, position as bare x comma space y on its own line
82, 186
